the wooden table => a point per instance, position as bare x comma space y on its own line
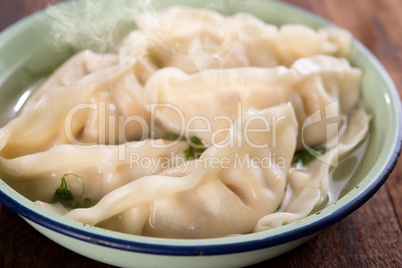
370, 237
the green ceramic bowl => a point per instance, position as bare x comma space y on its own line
29, 45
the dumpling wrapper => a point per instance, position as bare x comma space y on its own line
215, 41
213, 196
316, 86
81, 64
308, 186
104, 107
87, 62
101, 169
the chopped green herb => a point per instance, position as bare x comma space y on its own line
195, 148
172, 136
87, 203
64, 196
304, 157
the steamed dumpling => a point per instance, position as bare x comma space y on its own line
308, 186
215, 41
226, 191
78, 66
134, 47
320, 84
101, 169
104, 107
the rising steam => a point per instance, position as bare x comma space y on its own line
100, 25
95, 24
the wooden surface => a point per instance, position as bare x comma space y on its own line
370, 237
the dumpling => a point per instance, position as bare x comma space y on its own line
134, 46
226, 191
80, 65
308, 186
100, 169
316, 85
104, 107
214, 41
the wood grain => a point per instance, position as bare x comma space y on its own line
369, 237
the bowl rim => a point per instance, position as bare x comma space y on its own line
225, 245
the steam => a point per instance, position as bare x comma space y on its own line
194, 40
95, 24
101, 25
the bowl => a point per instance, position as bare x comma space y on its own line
30, 44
